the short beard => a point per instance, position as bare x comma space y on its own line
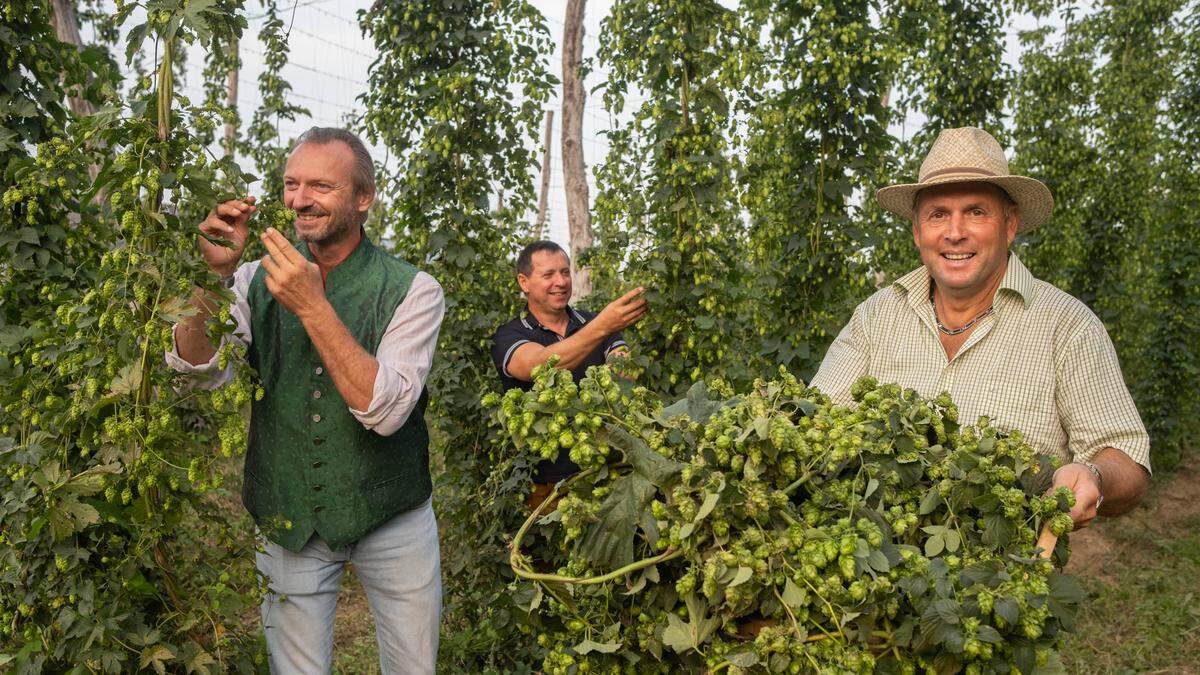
340, 224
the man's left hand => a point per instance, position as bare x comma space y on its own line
1079, 479
293, 280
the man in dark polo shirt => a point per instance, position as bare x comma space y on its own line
550, 327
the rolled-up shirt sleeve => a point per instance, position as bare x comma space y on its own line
209, 375
847, 359
613, 343
504, 342
1094, 404
405, 355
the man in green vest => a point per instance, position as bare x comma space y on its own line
342, 336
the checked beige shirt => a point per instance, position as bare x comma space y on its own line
1042, 362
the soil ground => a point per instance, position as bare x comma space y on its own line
1142, 572
354, 650
1167, 507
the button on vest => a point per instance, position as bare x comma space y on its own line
311, 466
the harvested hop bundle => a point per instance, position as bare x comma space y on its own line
773, 531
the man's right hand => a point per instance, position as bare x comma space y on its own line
622, 312
227, 221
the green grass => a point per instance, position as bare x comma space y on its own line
360, 657
354, 648
1143, 610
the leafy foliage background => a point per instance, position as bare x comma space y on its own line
739, 193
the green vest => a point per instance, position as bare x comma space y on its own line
311, 466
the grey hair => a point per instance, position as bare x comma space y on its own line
364, 169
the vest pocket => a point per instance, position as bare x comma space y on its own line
384, 483
385, 497
402, 491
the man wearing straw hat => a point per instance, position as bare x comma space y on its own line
973, 321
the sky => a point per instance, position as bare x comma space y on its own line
328, 67
330, 58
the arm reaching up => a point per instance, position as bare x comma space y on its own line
616, 316
227, 221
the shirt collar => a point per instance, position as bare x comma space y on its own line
574, 319
1017, 279
915, 285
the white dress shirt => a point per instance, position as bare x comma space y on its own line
405, 352
1041, 362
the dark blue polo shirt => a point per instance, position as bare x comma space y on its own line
525, 329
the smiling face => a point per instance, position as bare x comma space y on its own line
963, 231
318, 183
548, 284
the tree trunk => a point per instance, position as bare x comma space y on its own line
545, 188
574, 171
231, 100
66, 25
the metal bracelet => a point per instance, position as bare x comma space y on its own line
1099, 481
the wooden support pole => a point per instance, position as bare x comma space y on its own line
66, 26
231, 100
574, 171
543, 193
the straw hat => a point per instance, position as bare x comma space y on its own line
964, 155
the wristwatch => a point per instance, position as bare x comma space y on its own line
1099, 481
227, 282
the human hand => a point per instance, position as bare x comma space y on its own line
622, 312
619, 360
1082, 482
294, 280
227, 221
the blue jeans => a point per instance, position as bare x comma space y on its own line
400, 569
